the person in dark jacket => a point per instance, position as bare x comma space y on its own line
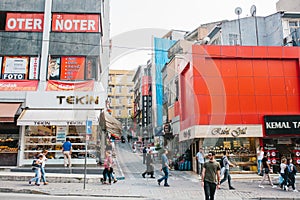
149, 165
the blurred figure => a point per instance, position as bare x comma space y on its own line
165, 168
266, 169
149, 165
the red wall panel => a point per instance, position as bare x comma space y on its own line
239, 85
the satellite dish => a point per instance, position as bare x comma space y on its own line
253, 10
238, 11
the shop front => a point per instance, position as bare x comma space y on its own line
240, 141
47, 125
282, 138
9, 134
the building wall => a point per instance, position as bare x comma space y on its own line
123, 79
269, 31
288, 5
239, 85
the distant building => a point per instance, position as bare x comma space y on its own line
120, 95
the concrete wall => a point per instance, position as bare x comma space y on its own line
288, 5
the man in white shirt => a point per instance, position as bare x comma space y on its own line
200, 159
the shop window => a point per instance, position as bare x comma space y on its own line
72, 68
19, 67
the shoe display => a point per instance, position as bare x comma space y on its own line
261, 186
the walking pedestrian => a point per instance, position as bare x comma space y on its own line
291, 174
43, 173
144, 154
260, 156
227, 164
211, 176
108, 170
266, 169
67, 151
284, 173
200, 161
165, 168
149, 165
36, 167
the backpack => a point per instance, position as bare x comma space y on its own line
294, 171
222, 162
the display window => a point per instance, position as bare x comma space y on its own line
19, 67
51, 138
242, 151
9, 143
72, 68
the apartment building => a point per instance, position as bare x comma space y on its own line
120, 96
51, 77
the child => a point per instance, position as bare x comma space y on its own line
36, 166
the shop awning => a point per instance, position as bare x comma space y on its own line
112, 125
8, 111
58, 117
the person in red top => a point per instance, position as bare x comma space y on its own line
107, 172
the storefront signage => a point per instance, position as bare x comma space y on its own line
227, 131
34, 68
15, 68
78, 99
42, 123
61, 134
53, 85
34, 22
187, 133
75, 123
75, 23
15, 85
282, 124
72, 68
24, 22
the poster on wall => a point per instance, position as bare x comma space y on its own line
15, 68
72, 68
61, 133
91, 68
34, 68
53, 68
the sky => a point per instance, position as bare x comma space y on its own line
134, 23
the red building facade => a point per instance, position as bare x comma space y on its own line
226, 92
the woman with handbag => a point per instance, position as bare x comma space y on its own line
266, 169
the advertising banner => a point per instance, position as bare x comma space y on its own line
282, 125
34, 68
70, 86
53, 68
72, 68
15, 68
31, 22
17, 85
75, 23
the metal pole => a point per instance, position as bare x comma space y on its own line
240, 30
256, 30
84, 179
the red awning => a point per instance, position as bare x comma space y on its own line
8, 111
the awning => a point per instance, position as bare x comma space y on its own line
112, 125
58, 117
8, 111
